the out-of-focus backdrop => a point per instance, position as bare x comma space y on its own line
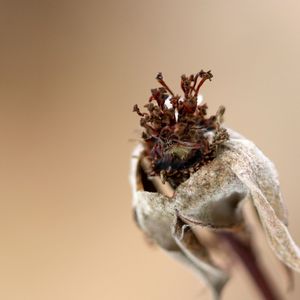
70, 72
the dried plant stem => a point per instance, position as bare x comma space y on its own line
248, 259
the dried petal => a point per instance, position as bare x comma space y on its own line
213, 197
257, 172
198, 255
156, 215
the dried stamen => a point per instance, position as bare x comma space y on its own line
179, 139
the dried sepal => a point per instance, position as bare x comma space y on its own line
158, 218
262, 182
213, 197
197, 255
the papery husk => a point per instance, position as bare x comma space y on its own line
213, 197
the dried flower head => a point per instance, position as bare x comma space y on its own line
179, 138
191, 178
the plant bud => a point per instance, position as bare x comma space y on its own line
193, 173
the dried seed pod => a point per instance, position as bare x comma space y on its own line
212, 196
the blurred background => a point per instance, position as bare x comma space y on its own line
70, 72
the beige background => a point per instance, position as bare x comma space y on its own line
70, 72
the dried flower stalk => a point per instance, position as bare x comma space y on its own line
190, 172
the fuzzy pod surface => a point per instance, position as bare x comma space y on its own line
213, 197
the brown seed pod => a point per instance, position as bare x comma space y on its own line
212, 197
